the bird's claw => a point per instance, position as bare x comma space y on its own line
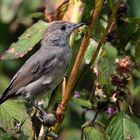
48, 119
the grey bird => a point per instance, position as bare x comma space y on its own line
44, 70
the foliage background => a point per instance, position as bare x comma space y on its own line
123, 40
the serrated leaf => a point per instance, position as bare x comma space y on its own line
26, 41
90, 133
10, 109
122, 127
82, 102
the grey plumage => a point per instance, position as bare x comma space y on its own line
45, 69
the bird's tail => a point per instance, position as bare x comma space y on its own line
2, 99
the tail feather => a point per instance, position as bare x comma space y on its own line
4, 96
2, 99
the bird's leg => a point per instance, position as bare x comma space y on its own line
47, 118
37, 107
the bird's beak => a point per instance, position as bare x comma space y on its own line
75, 26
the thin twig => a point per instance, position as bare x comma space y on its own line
108, 28
95, 116
33, 118
42, 133
80, 55
91, 94
83, 47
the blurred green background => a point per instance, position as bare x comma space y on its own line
17, 15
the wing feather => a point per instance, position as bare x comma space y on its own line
33, 69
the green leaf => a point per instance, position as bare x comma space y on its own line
4, 81
105, 75
111, 3
90, 133
26, 7
134, 7
122, 127
28, 20
111, 54
106, 65
90, 51
137, 52
26, 41
5, 136
7, 7
134, 20
82, 102
10, 109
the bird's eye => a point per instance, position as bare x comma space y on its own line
63, 28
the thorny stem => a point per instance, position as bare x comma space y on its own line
108, 28
78, 61
95, 15
80, 55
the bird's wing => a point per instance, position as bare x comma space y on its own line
33, 69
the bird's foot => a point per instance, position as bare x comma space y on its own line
48, 119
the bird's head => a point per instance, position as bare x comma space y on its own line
58, 32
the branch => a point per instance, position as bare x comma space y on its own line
80, 55
67, 96
108, 28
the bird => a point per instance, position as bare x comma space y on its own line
45, 69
